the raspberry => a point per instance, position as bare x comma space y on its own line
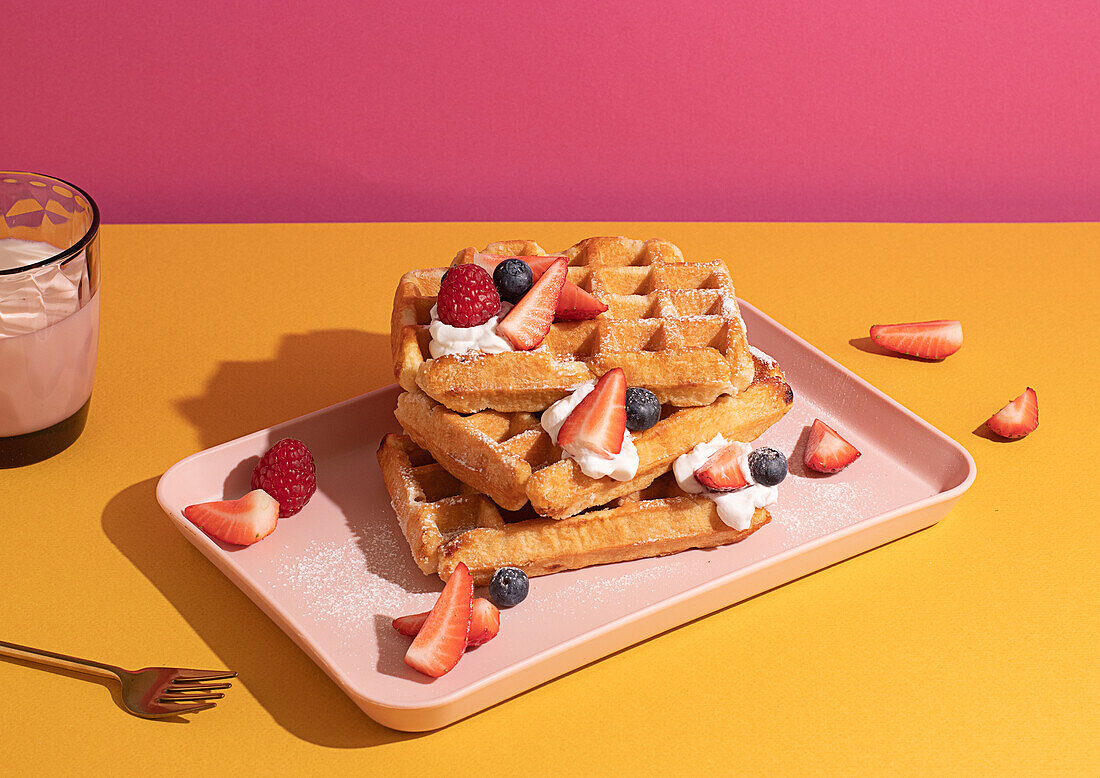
468, 297
287, 473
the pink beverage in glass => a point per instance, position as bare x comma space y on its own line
49, 315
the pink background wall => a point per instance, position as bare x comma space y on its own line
367, 111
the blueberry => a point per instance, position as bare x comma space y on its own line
768, 466
513, 278
643, 409
508, 587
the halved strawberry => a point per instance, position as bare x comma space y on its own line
722, 471
598, 423
241, 522
410, 625
438, 646
484, 623
1018, 418
924, 339
527, 323
488, 261
539, 265
575, 304
826, 450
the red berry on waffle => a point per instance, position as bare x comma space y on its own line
484, 623
539, 265
467, 297
441, 640
574, 304
240, 522
722, 471
527, 323
924, 339
288, 474
826, 450
1018, 418
598, 423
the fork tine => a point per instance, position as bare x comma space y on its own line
204, 675
190, 697
188, 686
173, 709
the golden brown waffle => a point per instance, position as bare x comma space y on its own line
446, 522
673, 327
510, 458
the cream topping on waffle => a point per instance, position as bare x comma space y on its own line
734, 508
458, 340
621, 467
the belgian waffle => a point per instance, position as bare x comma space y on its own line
447, 522
510, 458
672, 326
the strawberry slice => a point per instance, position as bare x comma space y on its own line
527, 323
484, 623
488, 261
438, 646
924, 339
575, 304
539, 265
598, 423
241, 522
410, 625
1018, 418
826, 450
722, 471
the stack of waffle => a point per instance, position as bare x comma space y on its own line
476, 479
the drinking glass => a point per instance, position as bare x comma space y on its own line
49, 314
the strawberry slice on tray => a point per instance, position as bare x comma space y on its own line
484, 623
924, 339
527, 323
241, 522
722, 471
826, 450
598, 423
441, 640
1018, 418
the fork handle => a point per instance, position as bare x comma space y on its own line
59, 660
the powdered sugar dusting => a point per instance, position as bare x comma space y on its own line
765, 358
621, 580
346, 584
815, 507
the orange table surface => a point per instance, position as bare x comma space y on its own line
968, 648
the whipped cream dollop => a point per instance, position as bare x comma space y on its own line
621, 467
734, 508
458, 340
39, 298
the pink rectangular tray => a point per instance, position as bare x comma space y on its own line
334, 576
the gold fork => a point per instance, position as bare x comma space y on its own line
152, 692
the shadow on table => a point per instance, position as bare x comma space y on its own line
297, 694
310, 371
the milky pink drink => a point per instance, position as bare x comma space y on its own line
49, 315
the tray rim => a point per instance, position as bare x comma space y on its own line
605, 632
